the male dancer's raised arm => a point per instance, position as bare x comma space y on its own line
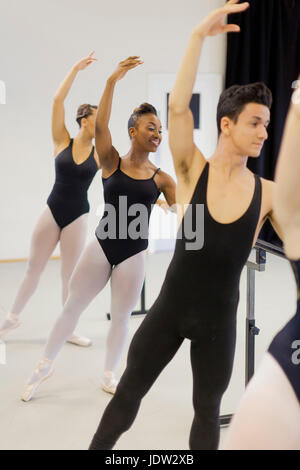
181, 125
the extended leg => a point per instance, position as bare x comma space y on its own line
72, 241
212, 355
89, 278
45, 238
152, 348
126, 283
268, 416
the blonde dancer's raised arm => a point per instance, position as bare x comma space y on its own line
287, 192
60, 134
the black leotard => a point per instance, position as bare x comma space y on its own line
137, 191
285, 347
198, 301
68, 198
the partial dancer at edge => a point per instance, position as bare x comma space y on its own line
65, 218
268, 417
109, 256
200, 294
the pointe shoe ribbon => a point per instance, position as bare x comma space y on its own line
15, 322
32, 388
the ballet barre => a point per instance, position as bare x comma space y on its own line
262, 248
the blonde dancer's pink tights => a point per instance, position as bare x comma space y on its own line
45, 237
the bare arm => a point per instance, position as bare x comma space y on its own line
96, 157
168, 188
107, 153
60, 134
287, 194
163, 205
181, 123
275, 224
269, 188
181, 126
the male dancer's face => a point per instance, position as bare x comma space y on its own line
249, 133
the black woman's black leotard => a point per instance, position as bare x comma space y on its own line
198, 301
285, 347
122, 193
68, 198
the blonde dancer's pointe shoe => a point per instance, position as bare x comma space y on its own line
80, 341
109, 382
12, 322
31, 388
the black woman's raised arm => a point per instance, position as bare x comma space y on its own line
108, 155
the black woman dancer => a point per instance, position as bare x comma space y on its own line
131, 180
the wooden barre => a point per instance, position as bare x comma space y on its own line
24, 260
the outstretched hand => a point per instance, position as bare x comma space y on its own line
85, 62
126, 65
214, 23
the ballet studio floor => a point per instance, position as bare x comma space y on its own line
67, 408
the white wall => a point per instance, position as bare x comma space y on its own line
39, 42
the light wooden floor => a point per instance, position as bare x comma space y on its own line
67, 408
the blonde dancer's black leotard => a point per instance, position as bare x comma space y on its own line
125, 195
285, 347
198, 301
68, 198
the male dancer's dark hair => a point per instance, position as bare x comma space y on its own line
234, 99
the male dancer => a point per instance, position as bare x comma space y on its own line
200, 294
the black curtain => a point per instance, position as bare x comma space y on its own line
267, 49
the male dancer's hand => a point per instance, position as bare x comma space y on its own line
214, 23
124, 66
85, 62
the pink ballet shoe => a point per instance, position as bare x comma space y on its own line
109, 382
30, 390
80, 341
15, 323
